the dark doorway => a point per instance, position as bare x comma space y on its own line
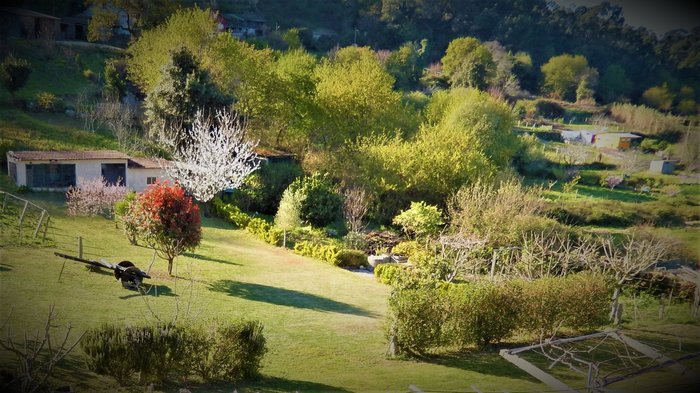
80, 33
114, 173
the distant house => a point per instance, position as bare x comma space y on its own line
581, 136
75, 28
665, 167
273, 156
244, 25
58, 170
23, 23
615, 140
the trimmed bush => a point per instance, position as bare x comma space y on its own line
416, 319
230, 213
161, 352
351, 258
387, 273
328, 253
481, 313
265, 231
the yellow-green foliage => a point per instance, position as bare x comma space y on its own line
191, 28
230, 213
579, 302
414, 251
325, 252
386, 273
351, 258
263, 230
645, 119
468, 135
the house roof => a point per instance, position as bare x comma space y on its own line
25, 12
623, 134
146, 163
271, 153
56, 155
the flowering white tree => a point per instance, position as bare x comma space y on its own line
94, 196
216, 156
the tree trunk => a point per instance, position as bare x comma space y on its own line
615, 303
170, 265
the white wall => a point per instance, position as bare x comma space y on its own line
136, 177
92, 169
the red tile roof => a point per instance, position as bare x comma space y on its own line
67, 155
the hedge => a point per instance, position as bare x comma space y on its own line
230, 213
161, 352
325, 252
265, 231
485, 312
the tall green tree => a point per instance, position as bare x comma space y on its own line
614, 83
191, 28
564, 73
183, 89
356, 98
659, 97
468, 63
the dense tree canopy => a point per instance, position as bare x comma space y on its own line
564, 73
468, 63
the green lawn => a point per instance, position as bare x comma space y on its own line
324, 325
48, 131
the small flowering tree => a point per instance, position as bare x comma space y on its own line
93, 197
612, 181
215, 157
168, 220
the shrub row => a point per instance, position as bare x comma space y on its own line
620, 214
325, 252
265, 231
230, 213
161, 352
458, 315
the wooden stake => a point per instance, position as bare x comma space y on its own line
41, 219
4, 201
21, 216
80, 246
46, 228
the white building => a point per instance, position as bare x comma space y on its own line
58, 170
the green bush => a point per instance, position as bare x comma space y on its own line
549, 109
161, 352
415, 320
579, 302
387, 273
48, 102
420, 219
230, 213
320, 203
262, 190
14, 73
263, 230
414, 251
325, 252
352, 258
481, 313
356, 241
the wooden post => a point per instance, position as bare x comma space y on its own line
493, 262
46, 228
21, 216
80, 246
38, 225
4, 201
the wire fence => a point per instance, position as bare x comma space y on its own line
21, 221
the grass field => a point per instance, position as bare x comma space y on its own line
324, 325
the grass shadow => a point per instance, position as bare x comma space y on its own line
483, 361
210, 259
4, 267
285, 297
151, 290
276, 384
613, 195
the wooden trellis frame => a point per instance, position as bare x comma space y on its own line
25, 205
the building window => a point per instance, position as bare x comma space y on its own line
150, 180
50, 175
